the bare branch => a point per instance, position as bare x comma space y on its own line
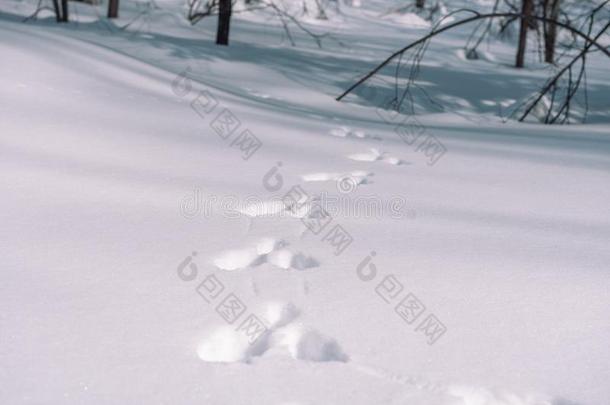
476, 17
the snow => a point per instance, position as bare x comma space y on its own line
107, 289
410, 20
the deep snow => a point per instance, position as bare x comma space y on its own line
112, 179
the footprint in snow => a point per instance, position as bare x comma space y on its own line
272, 208
266, 250
479, 395
305, 343
228, 345
356, 177
375, 155
346, 132
260, 94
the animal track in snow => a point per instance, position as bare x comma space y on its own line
285, 259
236, 259
271, 208
287, 336
266, 250
357, 176
376, 155
304, 343
228, 345
263, 208
484, 396
346, 132
280, 314
260, 94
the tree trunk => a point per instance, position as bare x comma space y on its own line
57, 10
526, 11
224, 19
64, 11
420, 3
551, 10
113, 8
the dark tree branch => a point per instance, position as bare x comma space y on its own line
476, 17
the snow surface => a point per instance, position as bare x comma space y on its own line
107, 250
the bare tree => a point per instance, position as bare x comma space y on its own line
57, 10
224, 21
61, 10
559, 108
550, 10
113, 8
198, 9
526, 11
64, 11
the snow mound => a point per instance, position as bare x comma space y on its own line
267, 245
266, 250
347, 132
304, 343
280, 314
376, 155
410, 20
281, 258
226, 345
285, 259
357, 176
371, 156
393, 160
236, 259
263, 208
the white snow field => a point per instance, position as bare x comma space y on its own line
137, 242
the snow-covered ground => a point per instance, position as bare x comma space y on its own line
132, 216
